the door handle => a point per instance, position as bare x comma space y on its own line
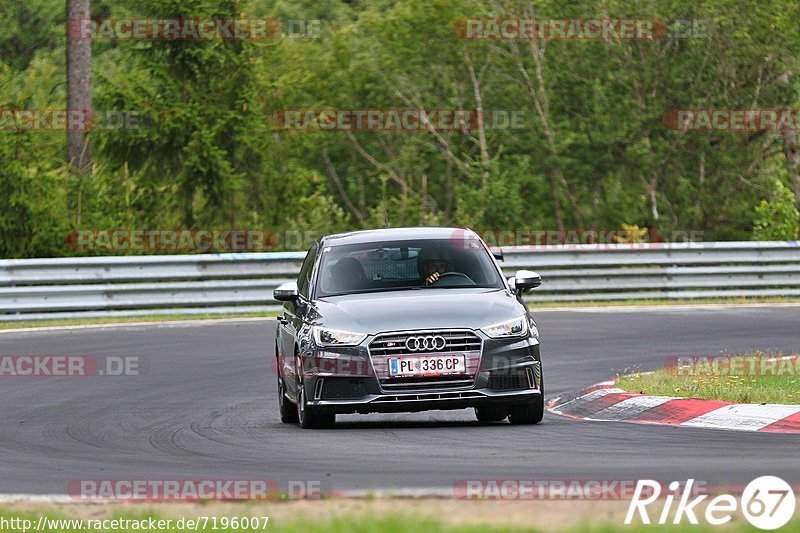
283, 320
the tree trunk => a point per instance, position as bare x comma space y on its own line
450, 198
79, 89
476, 89
790, 150
651, 193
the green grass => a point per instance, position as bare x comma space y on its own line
393, 524
781, 385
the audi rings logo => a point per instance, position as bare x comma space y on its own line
426, 344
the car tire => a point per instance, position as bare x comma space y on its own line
491, 413
310, 417
529, 413
287, 408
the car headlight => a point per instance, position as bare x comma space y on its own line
336, 337
516, 327
533, 329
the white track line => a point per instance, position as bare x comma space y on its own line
433, 492
595, 394
647, 308
37, 498
629, 408
111, 325
744, 417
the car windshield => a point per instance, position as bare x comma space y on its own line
405, 265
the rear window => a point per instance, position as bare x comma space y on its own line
405, 265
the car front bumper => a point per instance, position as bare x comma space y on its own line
509, 373
427, 401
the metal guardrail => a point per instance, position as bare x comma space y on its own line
32, 289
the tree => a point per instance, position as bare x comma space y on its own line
79, 99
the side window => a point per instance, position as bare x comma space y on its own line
304, 278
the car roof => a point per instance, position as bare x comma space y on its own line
397, 234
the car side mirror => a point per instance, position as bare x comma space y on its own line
526, 279
287, 292
497, 253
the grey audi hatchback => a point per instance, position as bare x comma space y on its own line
407, 319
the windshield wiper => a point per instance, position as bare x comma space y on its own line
473, 286
367, 291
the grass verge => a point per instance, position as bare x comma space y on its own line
746, 379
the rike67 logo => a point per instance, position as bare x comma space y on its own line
767, 502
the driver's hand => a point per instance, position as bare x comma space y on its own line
433, 278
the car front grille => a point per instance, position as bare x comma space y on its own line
390, 345
455, 341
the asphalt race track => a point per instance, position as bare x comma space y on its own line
205, 408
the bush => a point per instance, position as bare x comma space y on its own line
777, 219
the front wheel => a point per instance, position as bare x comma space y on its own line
529, 413
287, 408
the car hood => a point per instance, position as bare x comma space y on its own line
418, 309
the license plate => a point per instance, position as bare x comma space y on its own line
427, 365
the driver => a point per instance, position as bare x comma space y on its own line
432, 264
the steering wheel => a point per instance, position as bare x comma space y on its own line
452, 276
